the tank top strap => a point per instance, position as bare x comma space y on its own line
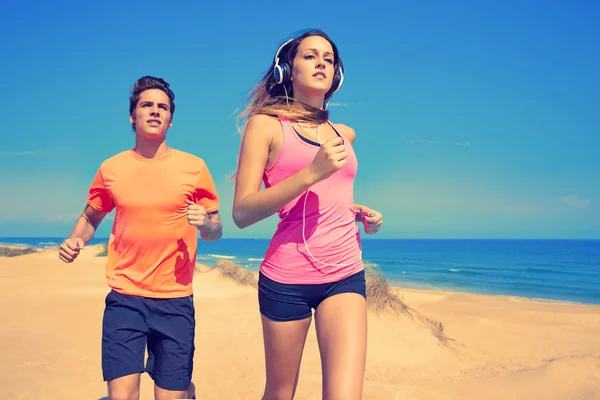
288, 129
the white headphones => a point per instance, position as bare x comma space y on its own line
306, 244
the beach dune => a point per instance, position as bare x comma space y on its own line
491, 347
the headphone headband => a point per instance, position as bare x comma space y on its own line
280, 48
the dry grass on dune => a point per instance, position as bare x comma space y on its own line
104, 251
380, 298
236, 273
201, 268
13, 251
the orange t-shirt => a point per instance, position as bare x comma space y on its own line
152, 247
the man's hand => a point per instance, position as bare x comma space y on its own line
197, 215
209, 225
70, 248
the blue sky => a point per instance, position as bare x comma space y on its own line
474, 119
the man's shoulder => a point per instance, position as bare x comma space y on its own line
189, 158
116, 159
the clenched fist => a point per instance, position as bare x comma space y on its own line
330, 158
70, 248
371, 220
197, 215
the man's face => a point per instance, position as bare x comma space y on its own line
152, 115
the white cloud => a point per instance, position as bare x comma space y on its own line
72, 217
338, 105
62, 217
420, 141
20, 153
574, 201
25, 153
433, 141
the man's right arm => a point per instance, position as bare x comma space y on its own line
82, 232
86, 225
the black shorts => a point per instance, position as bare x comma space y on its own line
290, 302
165, 326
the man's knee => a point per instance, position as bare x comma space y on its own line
124, 388
122, 394
164, 394
191, 392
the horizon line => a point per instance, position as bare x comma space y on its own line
362, 238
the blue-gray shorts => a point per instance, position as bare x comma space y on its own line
165, 326
285, 302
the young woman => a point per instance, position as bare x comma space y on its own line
314, 259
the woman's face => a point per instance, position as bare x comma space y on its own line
313, 66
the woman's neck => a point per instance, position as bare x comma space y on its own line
313, 101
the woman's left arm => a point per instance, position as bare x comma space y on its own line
370, 218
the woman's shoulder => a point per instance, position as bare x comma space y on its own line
261, 119
262, 124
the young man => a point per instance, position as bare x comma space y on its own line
162, 197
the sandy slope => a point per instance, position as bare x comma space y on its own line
501, 347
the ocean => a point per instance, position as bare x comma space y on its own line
563, 270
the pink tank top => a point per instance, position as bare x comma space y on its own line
331, 232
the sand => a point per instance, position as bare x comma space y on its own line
498, 347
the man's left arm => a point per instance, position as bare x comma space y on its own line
208, 224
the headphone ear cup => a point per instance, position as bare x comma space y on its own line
286, 74
338, 80
277, 74
281, 73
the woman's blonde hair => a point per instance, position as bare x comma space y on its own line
269, 98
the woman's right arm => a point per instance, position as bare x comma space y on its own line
250, 204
